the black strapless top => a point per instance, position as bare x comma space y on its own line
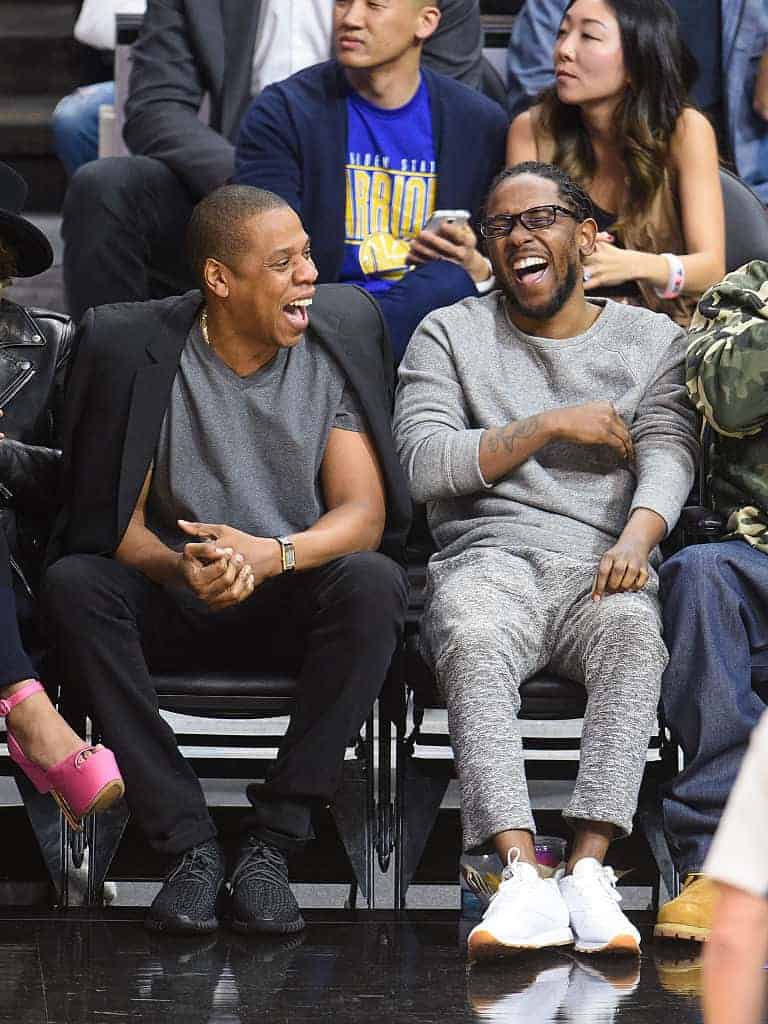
628, 289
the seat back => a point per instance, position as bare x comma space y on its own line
492, 83
746, 223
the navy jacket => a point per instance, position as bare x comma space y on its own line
293, 141
188, 49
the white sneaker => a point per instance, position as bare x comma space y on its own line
527, 912
593, 903
595, 994
501, 997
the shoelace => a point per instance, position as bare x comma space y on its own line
510, 873
194, 861
264, 859
606, 879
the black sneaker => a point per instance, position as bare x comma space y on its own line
188, 902
262, 900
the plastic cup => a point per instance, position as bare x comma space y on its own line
480, 873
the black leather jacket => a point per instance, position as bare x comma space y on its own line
35, 350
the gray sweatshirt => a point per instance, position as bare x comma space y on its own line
468, 368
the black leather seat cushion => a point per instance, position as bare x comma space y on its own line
544, 696
227, 694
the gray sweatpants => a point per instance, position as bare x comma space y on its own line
492, 620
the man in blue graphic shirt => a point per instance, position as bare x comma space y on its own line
366, 148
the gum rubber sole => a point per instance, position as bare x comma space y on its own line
681, 931
483, 945
620, 945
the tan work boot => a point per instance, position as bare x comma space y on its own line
680, 976
690, 915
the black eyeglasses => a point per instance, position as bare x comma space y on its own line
536, 218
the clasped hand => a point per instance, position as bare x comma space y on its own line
594, 423
623, 568
224, 566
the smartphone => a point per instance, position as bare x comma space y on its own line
460, 217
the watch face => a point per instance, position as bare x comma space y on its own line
287, 554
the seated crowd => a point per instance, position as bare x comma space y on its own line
222, 484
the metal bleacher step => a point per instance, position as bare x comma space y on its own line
39, 63
26, 143
38, 52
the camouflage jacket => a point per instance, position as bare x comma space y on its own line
727, 378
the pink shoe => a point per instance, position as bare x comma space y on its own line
86, 780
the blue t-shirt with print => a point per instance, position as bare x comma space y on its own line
391, 184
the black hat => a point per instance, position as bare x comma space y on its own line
30, 246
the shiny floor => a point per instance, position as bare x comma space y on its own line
364, 967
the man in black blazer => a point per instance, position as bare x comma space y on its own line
124, 218
229, 475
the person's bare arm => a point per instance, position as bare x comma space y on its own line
694, 150
218, 576
521, 139
694, 155
353, 488
624, 567
503, 449
143, 550
734, 958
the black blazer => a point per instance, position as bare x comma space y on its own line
126, 360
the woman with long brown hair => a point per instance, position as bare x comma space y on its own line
619, 122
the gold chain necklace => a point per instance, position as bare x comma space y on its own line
204, 327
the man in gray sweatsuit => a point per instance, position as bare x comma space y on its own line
551, 439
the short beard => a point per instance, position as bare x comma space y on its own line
555, 304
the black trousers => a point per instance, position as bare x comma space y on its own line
337, 625
14, 662
123, 223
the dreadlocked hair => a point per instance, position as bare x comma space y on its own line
571, 193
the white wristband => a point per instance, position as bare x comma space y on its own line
675, 278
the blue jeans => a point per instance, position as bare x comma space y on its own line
715, 608
430, 286
76, 124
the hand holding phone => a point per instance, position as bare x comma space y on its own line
458, 217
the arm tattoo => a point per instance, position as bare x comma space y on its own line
492, 440
509, 435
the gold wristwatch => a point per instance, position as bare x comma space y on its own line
287, 554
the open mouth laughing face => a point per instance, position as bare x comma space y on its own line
273, 283
537, 266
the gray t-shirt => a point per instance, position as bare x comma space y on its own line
247, 451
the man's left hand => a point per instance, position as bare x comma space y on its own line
623, 568
454, 242
261, 553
